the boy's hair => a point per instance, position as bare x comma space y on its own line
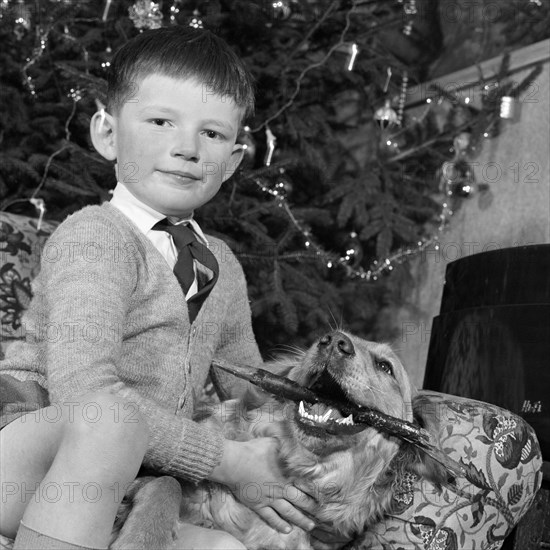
179, 52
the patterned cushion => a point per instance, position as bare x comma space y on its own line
21, 244
503, 463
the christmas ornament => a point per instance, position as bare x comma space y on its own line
354, 50
462, 142
507, 107
22, 15
490, 92
458, 178
386, 115
249, 146
40, 207
280, 9
270, 139
106, 10
145, 14
457, 175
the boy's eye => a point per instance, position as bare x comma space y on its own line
212, 134
159, 121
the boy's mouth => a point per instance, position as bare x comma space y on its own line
182, 176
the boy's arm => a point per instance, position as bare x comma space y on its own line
87, 286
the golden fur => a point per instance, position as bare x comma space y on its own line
352, 475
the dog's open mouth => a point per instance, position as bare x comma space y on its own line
321, 417
327, 419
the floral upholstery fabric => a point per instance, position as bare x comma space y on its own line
21, 244
503, 473
498, 449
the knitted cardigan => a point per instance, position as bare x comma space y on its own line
108, 314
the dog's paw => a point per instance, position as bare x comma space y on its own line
153, 517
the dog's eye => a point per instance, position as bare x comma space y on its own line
385, 366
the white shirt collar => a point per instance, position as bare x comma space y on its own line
143, 215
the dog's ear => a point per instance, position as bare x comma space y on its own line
418, 461
411, 458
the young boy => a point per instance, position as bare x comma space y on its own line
109, 333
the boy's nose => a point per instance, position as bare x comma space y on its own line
188, 147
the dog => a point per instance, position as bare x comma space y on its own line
352, 470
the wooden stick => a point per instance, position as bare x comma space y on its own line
282, 387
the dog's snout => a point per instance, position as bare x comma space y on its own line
337, 342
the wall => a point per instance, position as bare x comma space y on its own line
514, 211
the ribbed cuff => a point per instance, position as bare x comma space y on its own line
185, 449
200, 451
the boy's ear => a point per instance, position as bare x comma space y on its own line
236, 158
102, 132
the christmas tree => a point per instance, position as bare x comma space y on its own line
338, 188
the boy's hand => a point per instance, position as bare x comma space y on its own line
257, 481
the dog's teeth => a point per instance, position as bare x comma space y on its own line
348, 420
320, 418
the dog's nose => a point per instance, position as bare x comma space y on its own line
337, 342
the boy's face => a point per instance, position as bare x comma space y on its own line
174, 142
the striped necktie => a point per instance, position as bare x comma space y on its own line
189, 249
